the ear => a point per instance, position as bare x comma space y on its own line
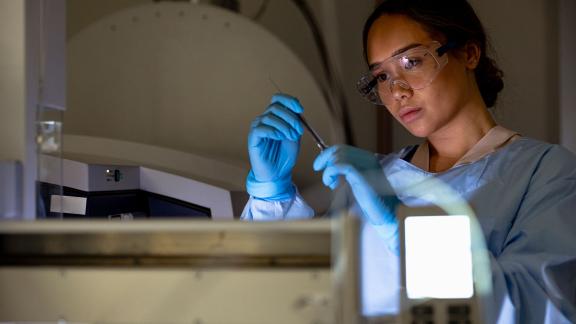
472, 55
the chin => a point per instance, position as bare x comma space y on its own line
421, 132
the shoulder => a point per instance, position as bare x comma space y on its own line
548, 172
553, 158
548, 200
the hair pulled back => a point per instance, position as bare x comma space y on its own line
458, 23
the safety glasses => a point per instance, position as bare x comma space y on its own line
413, 69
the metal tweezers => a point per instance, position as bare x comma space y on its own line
319, 141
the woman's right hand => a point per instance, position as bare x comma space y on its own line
273, 145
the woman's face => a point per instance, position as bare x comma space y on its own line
426, 111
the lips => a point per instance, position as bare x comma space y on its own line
409, 114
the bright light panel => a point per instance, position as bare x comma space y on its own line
438, 257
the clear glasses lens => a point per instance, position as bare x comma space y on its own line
414, 69
368, 88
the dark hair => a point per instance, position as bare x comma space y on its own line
458, 23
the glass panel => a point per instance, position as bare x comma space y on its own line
50, 167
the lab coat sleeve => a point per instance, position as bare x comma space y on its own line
534, 275
291, 209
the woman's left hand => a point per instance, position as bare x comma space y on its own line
370, 187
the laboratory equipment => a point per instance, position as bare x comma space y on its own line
162, 271
127, 192
437, 268
179, 272
193, 69
319, 141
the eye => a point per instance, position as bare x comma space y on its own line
409, 63
382, 77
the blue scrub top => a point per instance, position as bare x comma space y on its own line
524, 196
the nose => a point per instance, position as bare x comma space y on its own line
400, 90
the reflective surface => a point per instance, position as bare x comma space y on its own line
171, 243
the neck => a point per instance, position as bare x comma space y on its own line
454, 140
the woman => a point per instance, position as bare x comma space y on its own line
429, 67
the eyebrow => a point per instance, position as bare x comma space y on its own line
398, 51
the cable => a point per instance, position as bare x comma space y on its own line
261, 10
334, 83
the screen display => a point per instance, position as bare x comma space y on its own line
438, 257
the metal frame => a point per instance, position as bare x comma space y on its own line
328, 246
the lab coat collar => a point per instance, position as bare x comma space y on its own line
496, 138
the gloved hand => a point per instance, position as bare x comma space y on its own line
273, 145
372, 191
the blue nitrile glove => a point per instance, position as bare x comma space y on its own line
273, 145
372, 191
